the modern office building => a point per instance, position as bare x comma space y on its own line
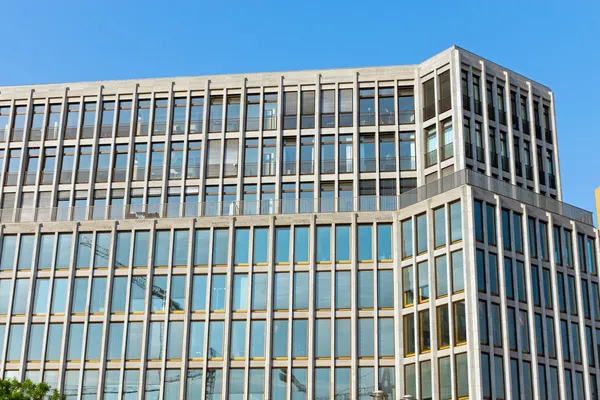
295, 235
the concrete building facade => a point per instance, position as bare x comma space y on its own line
295, 235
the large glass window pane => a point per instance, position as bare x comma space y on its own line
256, 384
407, 243
408, 286
215, 340
98, 295
462, 374
282, 242
259, 292
79, 295
138, 293
424, 331
40, 305
175, 340
84, 250
342, 243
217, 297
140, 249
201, 241
261, 245
385, 289
25, 252
46, 251
238, 339
439, 219
180, 248
365, 289
301, 244
386, 337
301, 290
75, 342
384, 242
257, 339
196, 340
281, 291
115, 341
299, 338
240, 292
366, 337
421, 233
94, 342
278, 383
323, 290
342, 338
220, 246
455, 222
59, 294
199, 293
423, 276
7, 260
36, 337
280, 338
133, 350
322, 338
458, 276
365, 243
324, 244
159, 290
342, 290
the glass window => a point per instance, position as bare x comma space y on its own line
342, 290
323, 244
279, 379
59, 294
25, 252
409, 334
342, 382
423, 276
259, 292
478, 211
342, 338
79, 295
424, 331
322, 378
322, 338
385, 289
238, 341
462, 382
138, 293
365, 289
439, 218
242, 240
280, 338
98, 295
299, 338
366, 337
517, 233
281, 291
240, 292
180, 248
46, 251
490, 213
159, 289
282, 242
506, 242
40, 305
115, 341
123, 249
133, 348
443, 323
215, 340
421, 233
323, 290
196, 340
7, 260
93, 342
257, 339
408, 286
458, 276
301, 244
365, 243
455, 222
493, 273
175, 340
261, 245
256, 384
84, 250
217, 297
384, 242
301, 290
220, 246
140, 249
441, 276
386, 337
200, 247
407, 249
342, 243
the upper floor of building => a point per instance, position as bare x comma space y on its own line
365, 132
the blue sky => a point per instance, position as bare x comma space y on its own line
556, 43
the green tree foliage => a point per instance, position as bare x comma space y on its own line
12, 389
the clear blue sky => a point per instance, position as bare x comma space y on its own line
556, 43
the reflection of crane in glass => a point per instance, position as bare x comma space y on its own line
139, 281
